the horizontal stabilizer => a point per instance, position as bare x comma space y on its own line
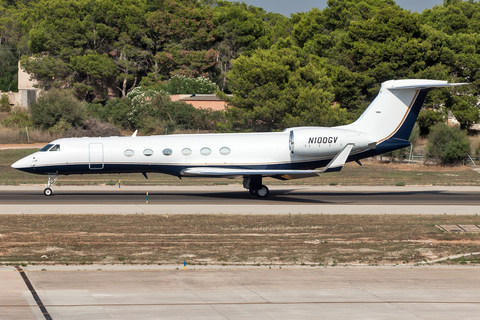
409, 85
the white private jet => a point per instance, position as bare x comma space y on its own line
294, 153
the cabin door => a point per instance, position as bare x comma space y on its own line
95, 151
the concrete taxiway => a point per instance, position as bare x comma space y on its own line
149, 292
219, 292
233, 199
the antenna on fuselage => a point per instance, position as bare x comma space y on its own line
135, 133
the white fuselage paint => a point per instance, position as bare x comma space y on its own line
246, 150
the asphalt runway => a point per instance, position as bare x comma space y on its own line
229, 195
233, 199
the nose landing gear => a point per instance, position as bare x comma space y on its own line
52, 179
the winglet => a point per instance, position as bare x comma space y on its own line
338, 162
135, 133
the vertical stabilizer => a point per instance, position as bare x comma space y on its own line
390, 118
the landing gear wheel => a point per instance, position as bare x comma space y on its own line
52, 179
262, 192
253, 191
48, 192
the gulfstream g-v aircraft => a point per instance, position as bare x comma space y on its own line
294, 153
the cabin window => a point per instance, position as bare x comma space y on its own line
186, 152
55, 148
225, 151
205, 151
48, 146
129, 153
167, 152
147, 152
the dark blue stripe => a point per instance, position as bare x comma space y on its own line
404, 131
166, 169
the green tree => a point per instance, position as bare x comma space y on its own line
281, 87
87, 45
238, 29
180, 37
8, 70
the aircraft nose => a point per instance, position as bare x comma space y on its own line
18, 164
23, 163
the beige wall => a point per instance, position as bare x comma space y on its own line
14, 98
214, 105
24, 81
200, 104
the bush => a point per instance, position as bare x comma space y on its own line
187, 85
17, 119
115, 111
93, 128
57, 108
60, 127
151, 111
182, 114
446, 145
4, 103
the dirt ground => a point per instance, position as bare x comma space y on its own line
22, 146
221, 239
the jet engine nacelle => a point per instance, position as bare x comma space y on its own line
315, 142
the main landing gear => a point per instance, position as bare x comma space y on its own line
52, 179
255, 186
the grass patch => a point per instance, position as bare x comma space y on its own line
233, 239
471, 259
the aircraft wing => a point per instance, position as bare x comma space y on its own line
335, 165
233, 173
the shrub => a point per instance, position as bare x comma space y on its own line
4, 103
114, 111
446, 145
17, 119
57, 107
187, 85
153, 112
93, 128
60, 127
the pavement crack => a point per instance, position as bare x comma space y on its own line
34, 293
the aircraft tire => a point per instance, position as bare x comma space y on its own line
263, 192
48, 192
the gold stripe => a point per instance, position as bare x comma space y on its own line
404, 117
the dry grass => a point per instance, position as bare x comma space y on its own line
8, 135
231, 239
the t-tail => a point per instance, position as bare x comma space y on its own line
390, 118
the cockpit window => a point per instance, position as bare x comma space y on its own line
48, 146
55, 148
